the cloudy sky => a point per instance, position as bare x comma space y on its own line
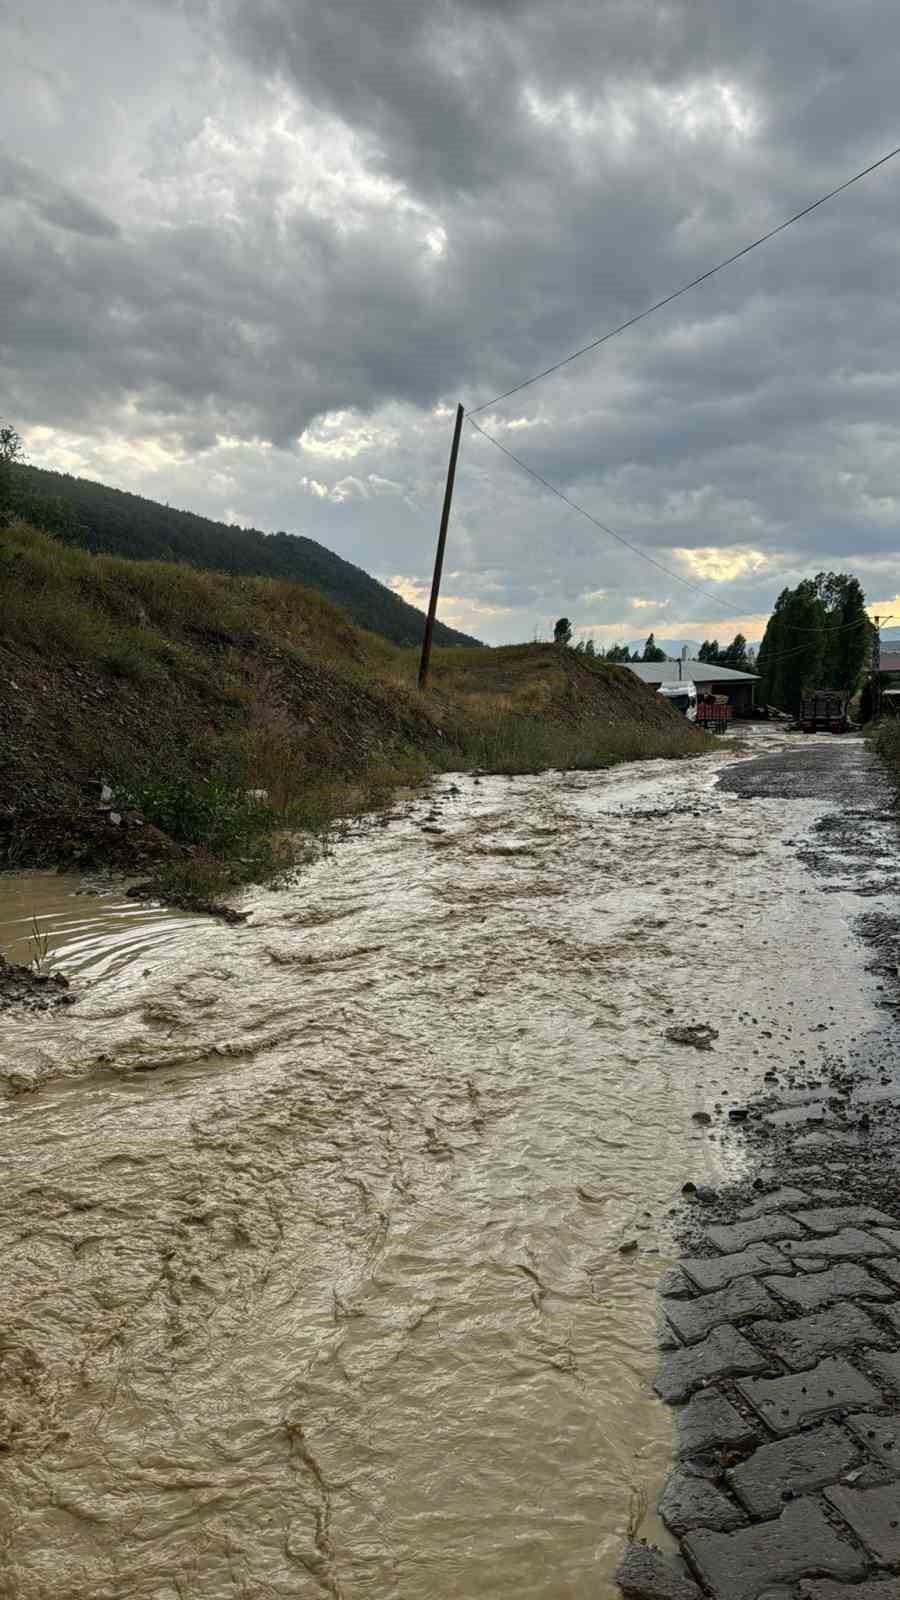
253, 252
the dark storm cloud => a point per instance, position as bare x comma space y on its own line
249, 214
51, 201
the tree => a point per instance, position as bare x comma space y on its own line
735, 655
818, 637
10, 452
562, 633
618, 652
652, 651
709, 651
848, 631
589, 648
792, 653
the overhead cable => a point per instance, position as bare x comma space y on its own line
604, 527
619, 538
667, 299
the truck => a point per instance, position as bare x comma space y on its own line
682, 696
824, 711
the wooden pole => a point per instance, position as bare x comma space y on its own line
425, 659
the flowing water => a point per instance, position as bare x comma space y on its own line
311, 1228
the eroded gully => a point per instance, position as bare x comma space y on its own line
311, 1228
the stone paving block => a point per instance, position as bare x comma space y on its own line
834, 1283
786, 1403
880, 1435
886, 1364
737, 1235
673, 1282
826, 1589
690, 1502
645, 1574
713, 1272
800, 1343
891, 1236
708, 1421
891, 1314
890, 1269
873, 1514
785, 1196
806, 1461
723, 1353
827, 1219
850, 1242
742, 1565
694, 1319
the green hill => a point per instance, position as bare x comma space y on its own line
114, 522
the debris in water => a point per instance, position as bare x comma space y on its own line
698, 1034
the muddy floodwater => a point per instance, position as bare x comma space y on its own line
312, 1281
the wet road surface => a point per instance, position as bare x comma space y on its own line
311, 1228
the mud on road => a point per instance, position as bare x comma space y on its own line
781, 1325
330, 1241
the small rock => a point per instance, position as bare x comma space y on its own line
628, 1247
644, 1574
698, 1034
701, 1116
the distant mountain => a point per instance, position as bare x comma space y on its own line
672, 647
110, 520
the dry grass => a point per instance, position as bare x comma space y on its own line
258, 683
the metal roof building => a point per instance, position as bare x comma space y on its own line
706, 675
657, 672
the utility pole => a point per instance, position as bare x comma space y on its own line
876, 669
439, 556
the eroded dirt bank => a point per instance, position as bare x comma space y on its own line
311, 1228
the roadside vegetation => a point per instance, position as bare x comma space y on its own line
233, 720
884, 738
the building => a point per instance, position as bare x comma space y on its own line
705, 675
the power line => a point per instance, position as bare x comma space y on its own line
604, 338
604, 527
620, 539
782, 655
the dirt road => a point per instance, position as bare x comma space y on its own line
314, 1279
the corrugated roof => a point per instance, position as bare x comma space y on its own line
691, 672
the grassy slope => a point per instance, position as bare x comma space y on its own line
149, 673
113, 522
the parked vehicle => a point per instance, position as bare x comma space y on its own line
683, 696
824, 711
713, 713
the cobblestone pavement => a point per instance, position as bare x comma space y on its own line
780, 1347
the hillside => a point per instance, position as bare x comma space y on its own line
183, 690
117, 523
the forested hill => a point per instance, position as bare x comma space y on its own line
110, 520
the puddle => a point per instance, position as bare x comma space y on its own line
311, 1228
86, 930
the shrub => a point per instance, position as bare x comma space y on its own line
210, 813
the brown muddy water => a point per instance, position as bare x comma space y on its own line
312, 1280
